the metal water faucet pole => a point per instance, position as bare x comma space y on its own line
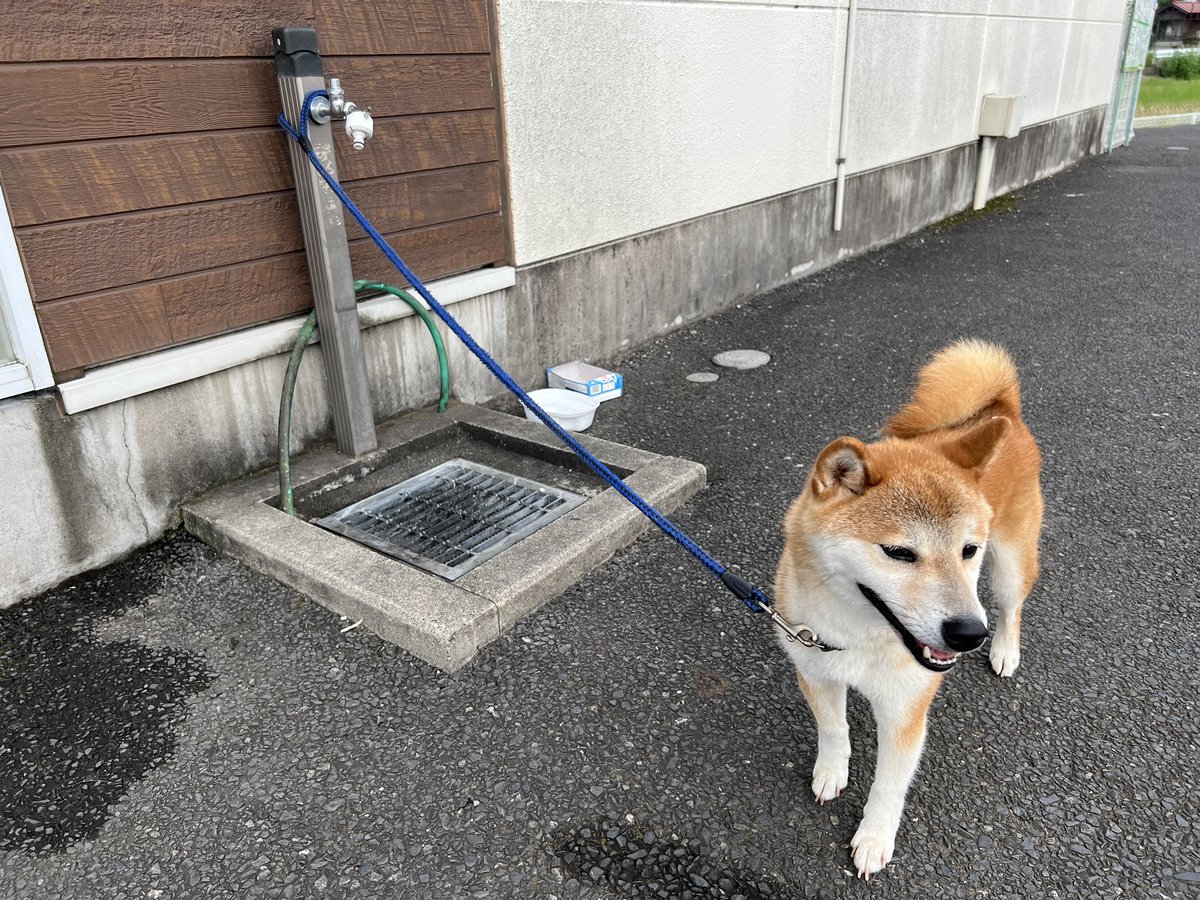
299, 70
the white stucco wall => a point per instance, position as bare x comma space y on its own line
624, 116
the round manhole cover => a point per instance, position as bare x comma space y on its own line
741, 359
703, 377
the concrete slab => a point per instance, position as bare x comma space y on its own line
443, 623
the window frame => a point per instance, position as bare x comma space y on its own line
30, 370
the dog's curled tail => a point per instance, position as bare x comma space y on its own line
958, 384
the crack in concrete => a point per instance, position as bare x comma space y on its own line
129, 467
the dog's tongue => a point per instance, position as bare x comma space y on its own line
941, 655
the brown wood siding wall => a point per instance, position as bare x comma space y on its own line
150, 188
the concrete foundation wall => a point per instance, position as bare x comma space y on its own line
80, 491
1041, 151
625, 116
657, 281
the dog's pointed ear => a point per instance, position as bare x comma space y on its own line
975, 449
842, 470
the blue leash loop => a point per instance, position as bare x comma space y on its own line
754, 598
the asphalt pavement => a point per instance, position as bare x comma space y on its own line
178, 726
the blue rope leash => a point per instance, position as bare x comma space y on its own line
754, 598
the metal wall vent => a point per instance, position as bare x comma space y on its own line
453, 517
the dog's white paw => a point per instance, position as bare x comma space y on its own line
872, 850
1005, 656
829, 780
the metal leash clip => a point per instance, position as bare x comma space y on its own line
754, 598
796, 634
799, 634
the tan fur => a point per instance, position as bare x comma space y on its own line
960, 389
957, 385
957, 467
815, 700
805, 687
914, 727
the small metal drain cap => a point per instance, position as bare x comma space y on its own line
741, 359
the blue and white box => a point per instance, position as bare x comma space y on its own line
584, 378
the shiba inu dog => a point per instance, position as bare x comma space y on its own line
881, 561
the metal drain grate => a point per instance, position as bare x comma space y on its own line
453, 517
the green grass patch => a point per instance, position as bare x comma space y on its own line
1004, 205
1163, 96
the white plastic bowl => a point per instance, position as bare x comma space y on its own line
572, 411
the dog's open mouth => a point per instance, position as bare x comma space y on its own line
934, 660
943, 659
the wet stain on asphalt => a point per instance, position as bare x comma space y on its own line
82, 719
709, 684
638, 861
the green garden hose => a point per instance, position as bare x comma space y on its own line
419, 308
287, 500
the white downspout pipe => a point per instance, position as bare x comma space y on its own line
839, 191
983, 175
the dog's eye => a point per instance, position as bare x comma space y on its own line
901, 553
970, 550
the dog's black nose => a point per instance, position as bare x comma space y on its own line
963, 634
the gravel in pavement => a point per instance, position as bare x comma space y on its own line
178, 726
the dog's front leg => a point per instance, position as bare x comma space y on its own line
900, 716
827, 700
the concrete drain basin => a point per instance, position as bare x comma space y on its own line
456, 527
453, 517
